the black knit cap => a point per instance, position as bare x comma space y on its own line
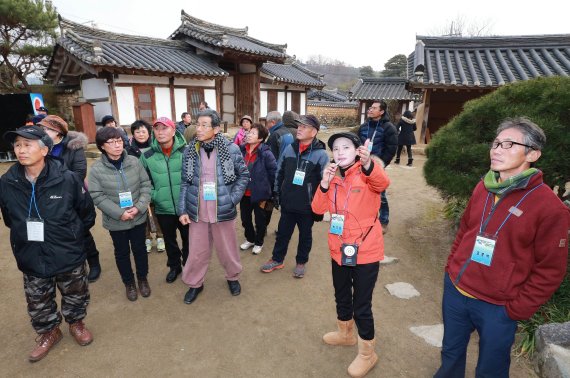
350, 136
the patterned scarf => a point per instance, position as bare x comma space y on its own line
492, 184
219, 143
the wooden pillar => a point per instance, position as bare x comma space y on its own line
172, 102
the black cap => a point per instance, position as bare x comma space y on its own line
309, 120
350, 136
29, 132
107, 119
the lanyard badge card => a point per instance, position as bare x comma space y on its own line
299, 177
125, 200
35, 228
484, 249
337, 224
209, 191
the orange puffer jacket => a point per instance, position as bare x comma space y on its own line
358, 199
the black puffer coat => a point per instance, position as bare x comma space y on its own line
73, 154
65, 208
406, 129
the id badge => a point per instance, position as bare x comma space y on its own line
484, 249
299, 177
349, 253
370, 145
337, 224
125, 200
209, 191
35, 229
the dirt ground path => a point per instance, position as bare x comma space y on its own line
273, 329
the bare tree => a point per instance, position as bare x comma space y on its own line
460, 26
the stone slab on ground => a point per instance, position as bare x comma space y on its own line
389, 260
402, 290
553, 350
432, 334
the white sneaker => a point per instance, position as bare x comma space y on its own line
148, 244
246, 245
257, 249
160, 247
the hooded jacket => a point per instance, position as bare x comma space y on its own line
262, 173
406, 129
73, 155
65, 208
105, 183
530, 255
298, 198
356, 196
165, 174
385, 137
227, 196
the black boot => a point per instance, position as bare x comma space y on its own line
397, 161
410, 162
94, 272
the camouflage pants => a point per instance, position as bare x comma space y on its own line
40, 295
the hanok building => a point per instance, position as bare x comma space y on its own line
135, 77
370, 89
333, 107
449, 71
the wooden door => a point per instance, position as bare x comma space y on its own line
296, 102
144, 103
271, 100
245, 95
195, 96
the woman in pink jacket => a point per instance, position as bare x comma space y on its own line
350, 191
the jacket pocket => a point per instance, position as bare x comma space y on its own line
507, 277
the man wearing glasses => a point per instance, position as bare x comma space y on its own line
509, 255
163, 163
383, 143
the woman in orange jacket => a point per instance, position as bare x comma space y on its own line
350, 191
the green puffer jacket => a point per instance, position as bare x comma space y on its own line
165, 174
105, 183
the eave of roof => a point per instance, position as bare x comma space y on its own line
388, 88
292, 74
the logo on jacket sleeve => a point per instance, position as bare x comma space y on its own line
55, 196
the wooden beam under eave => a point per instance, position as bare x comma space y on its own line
59, 72
172, 102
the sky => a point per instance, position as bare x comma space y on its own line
358, 33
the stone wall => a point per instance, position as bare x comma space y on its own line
65, 103
335, 116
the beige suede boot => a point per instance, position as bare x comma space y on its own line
344, 335
365, 360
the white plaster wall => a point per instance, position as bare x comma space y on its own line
228, 85
363, 110
281, 102
210, 98
141, 79
288, 101
194, 82
303, 103
126, 105
162, 102
94, 88
180, 101
263, 103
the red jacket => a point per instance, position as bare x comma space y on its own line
361, 215
530, 255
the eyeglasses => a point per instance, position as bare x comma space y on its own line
506, 144
115, 142
204, 126
374, 107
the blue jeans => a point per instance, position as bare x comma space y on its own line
461, 316
384, 209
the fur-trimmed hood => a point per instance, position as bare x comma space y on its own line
75, 140
407, 120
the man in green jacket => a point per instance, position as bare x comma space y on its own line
163, 162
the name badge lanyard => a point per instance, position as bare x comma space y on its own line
373, 135
34, 226
484, 247
337, 219
125, 197
299, 157
486, 222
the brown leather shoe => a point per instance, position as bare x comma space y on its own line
80, 333
132, 294
45, 342
144, 287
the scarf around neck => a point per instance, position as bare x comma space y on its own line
500, 188
219, 143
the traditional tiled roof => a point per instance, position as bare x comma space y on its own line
292, 74
487, 61
333, 104
386, 88
219, 39
101, 50
323, 95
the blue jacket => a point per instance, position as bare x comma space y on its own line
279, 139
228, 196
385, 136
298, 198
262, 173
